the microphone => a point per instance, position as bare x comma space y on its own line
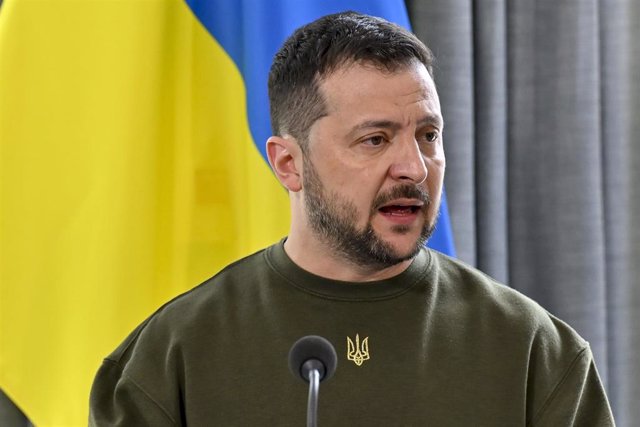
313, 359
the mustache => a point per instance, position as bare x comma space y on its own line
404, 191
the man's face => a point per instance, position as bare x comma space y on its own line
373, 170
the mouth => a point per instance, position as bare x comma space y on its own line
401, 208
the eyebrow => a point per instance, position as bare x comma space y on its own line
430, 119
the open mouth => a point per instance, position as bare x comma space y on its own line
399, 210
402, 204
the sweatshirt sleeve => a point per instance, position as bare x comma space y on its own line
578, 399
117, 400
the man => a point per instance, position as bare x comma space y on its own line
421, 338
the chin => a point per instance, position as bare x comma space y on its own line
408, 239
405, 248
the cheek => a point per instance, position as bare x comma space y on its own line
437, 159
357, 181
360, 191
354, 181
435, 179
436, 166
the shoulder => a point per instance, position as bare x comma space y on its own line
468, 289
150, 364
181, 319
498, 323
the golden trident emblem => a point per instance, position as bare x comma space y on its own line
357, 353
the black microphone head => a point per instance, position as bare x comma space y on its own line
313, 347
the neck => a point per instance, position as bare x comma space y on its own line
321, 260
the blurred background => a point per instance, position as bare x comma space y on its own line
132, 167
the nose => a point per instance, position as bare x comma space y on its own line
408, 164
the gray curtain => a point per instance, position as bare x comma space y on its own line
542, 104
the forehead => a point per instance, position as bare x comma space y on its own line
366, 89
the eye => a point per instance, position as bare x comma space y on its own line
375, 140
431, 136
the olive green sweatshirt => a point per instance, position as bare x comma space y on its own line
441, 344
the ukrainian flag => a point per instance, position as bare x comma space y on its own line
132, 167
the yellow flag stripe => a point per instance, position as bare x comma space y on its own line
127, 175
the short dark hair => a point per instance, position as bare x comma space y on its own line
317, 49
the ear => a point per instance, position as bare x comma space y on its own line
284, 157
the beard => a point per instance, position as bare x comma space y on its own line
333, 219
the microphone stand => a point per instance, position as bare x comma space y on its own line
312, 405
312, 371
